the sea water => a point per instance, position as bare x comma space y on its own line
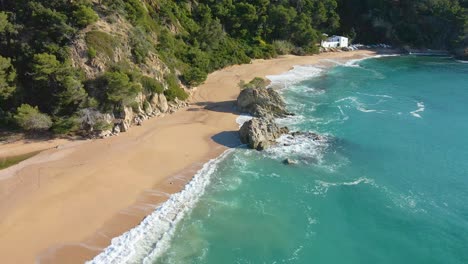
388, 183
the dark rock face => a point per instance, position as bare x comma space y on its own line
261, 102
261, 133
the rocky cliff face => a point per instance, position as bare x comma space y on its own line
111, 39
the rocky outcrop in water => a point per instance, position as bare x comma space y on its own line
264, 104
261, 102
261, 133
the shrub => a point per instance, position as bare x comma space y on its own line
7, 78
65, 125
194, 76
102, 42
30, 118
92, 53
255, 83
91, 120
174, 90
283, 47
298, 51
151, 85
120, 89
141, 46
84, 16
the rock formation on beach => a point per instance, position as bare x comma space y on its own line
262, 102
261, 133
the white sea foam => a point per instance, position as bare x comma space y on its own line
152, 236
296, 75
355, 62
302, 147
349, 63
421, 108
462, 61
358, 105
375, 95
322, 187
240, 120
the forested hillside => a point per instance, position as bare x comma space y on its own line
83, 65
437, 24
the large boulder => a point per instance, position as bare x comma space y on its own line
261, 133
261, 102
127, 117
159, 102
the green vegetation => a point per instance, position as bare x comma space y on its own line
174, 90
29, 118
256, 83
6, 162
189, 38
151, 85
101, 43
437, 24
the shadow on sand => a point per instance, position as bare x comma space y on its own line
228, 139
223, 107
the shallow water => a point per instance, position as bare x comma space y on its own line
388, 185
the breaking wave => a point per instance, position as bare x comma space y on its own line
148, 240
302, 147
241, 119
296, 75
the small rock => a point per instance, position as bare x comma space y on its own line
289, 161
116, 129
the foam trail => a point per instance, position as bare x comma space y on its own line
148, 240
350, 63
322, 187
241, 119
420, 109
462, 61
375, 95
296, 75
358, 105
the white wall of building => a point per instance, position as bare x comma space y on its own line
335, 42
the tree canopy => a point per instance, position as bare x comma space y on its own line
192, 38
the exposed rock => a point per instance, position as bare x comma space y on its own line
176, 105
289, 161
261, 102
124, 127
148, 109
91, 120
116, 129
311, 135
138, 121
105, 133
159, 102
127, 117
261, 133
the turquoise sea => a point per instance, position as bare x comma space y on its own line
388, 185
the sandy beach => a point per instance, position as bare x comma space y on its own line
66, 204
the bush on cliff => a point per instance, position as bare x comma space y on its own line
31, 119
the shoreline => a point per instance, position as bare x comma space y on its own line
104, 183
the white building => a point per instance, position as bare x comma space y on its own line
335, 42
